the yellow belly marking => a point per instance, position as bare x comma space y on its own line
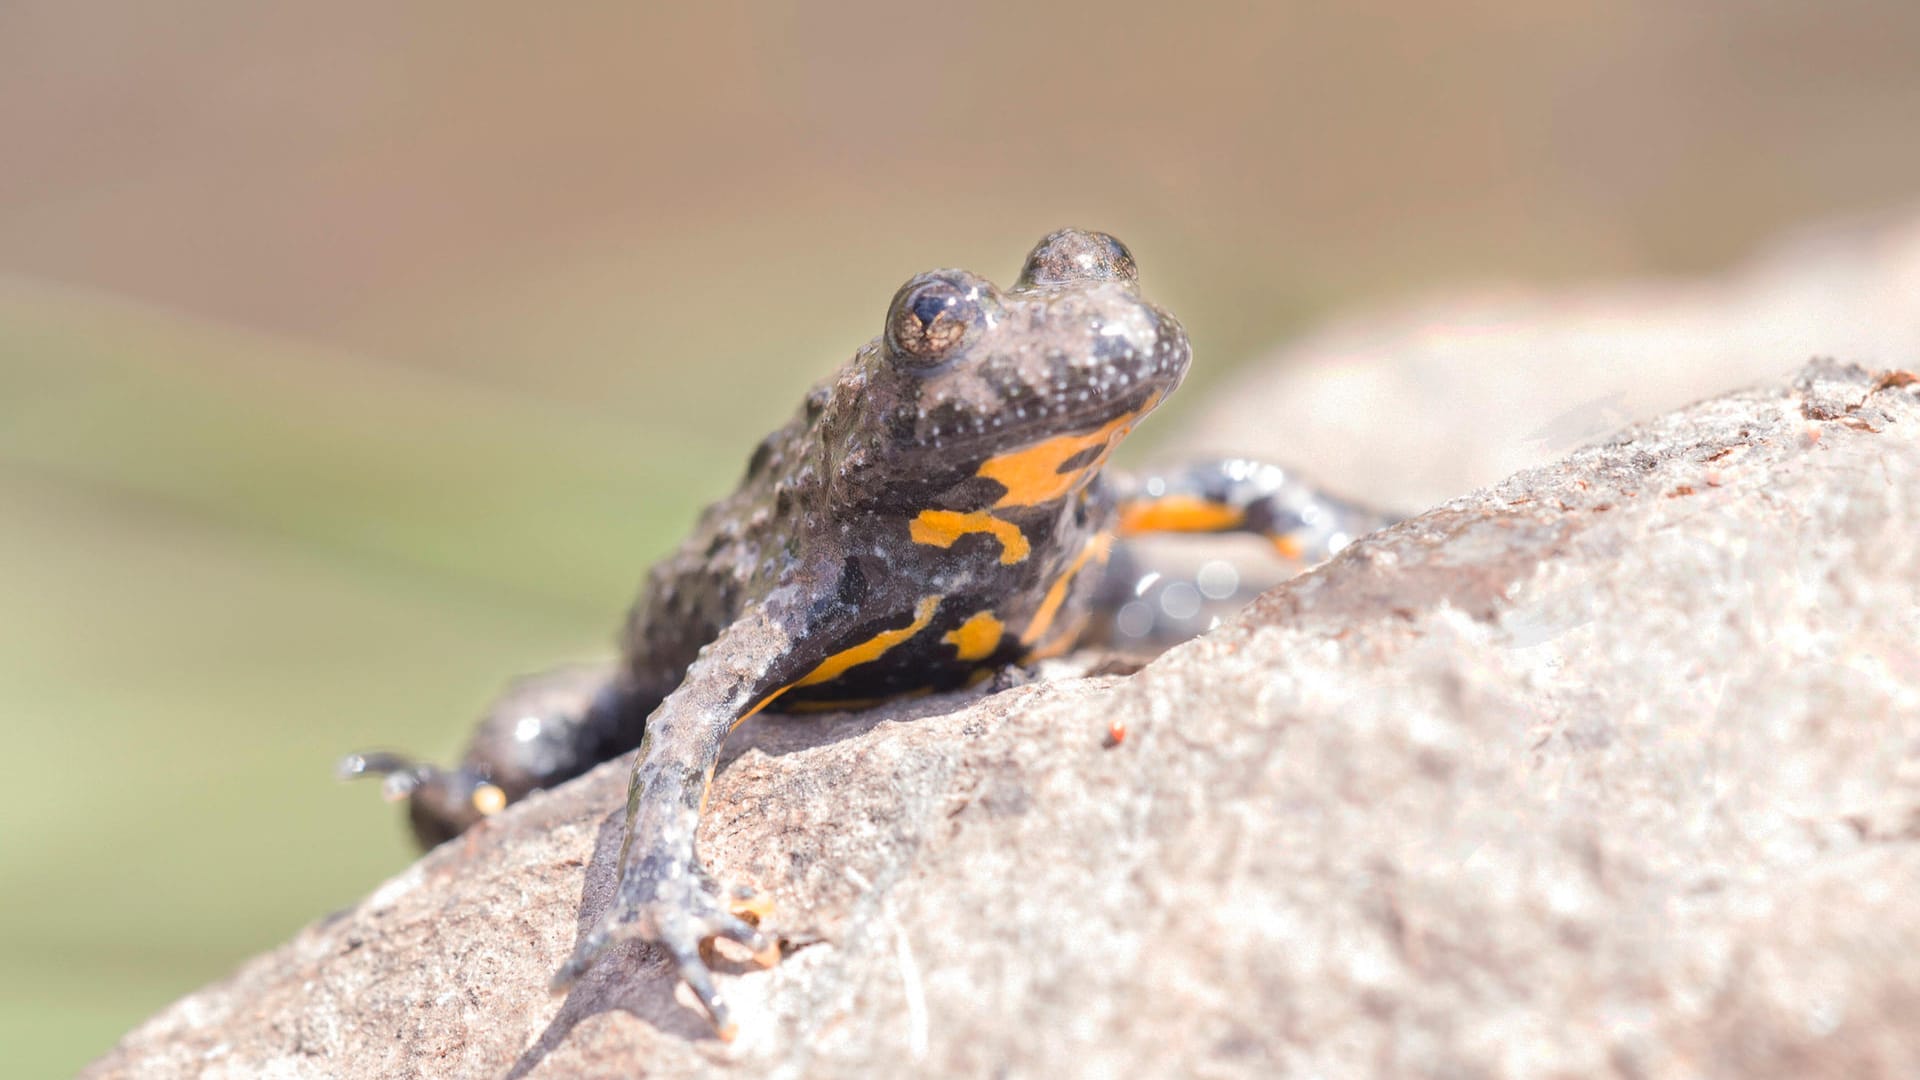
942, 527
976, 638
1097, 549
871, 649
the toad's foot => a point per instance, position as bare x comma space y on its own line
441, 803
669, 899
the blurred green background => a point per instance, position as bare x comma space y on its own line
355, 356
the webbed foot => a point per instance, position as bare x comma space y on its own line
670, 899
441, 803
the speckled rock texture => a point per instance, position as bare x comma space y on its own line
1611, 769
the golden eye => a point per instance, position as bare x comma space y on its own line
930, 318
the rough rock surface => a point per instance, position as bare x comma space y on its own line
1610, 769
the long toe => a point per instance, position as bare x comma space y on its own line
686, 955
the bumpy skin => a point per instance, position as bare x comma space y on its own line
933, 511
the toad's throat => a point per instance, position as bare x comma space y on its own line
1032, 475
1051, 468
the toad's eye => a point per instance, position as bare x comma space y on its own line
931, 317
1077, 255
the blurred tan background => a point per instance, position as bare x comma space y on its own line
354, 357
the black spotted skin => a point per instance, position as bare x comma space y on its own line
934, 510
836, 497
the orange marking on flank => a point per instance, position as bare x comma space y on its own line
764, 702
1049, 608
976, 638
871, 649
942, 528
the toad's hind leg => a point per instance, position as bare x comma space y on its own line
1304, 522
545, 729
1153, 597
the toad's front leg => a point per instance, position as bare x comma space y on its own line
665, 894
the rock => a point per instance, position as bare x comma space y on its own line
1413, 404
1420, 402
1612, 768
